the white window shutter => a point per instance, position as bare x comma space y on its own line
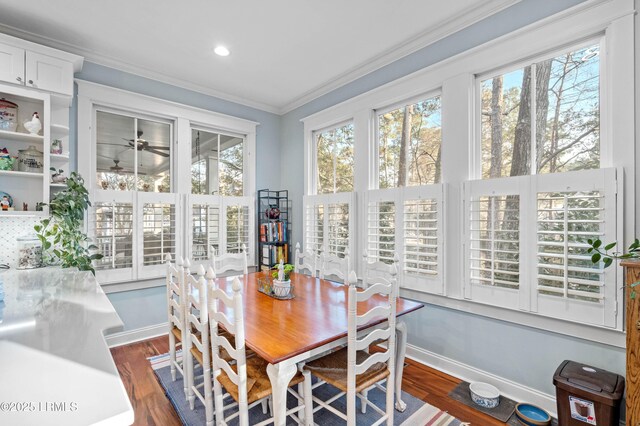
238, 225
159, 220
329, 219
203, 233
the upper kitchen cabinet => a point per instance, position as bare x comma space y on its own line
36, 66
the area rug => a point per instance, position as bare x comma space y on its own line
418, 413
502, 412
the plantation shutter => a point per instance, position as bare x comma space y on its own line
238, 225
496, 212
407, 222
159, 217
329, 223
203, 217
572, 208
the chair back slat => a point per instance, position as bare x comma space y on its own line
237, 262
379, 288
197, 318
332, 265
221, 318
175, 292
371, 360
374, 336
305, 260
377, 271
375, 313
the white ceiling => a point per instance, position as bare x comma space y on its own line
283, 53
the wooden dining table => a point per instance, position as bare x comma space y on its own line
287, 332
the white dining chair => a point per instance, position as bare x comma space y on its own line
234, 262
176, 318
305, 261
354, 371
333, 267
246, 381
198, 348
373, 270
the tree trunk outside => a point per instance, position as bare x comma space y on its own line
521, 160
405, 142
543, 73
496, 127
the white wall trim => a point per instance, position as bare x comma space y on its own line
465, 372
131, 336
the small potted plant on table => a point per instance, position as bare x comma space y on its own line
282, 279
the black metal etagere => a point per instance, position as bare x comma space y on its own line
273, 233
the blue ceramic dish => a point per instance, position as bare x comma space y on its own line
530, 415
484, 394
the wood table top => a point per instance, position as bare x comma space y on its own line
280, 329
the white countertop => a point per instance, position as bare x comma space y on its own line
55, 366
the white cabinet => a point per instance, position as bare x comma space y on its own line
38, 67
47, 73
11, 64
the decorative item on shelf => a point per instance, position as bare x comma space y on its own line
40, 206
34, 125
30, 160
6, 160
29, 252
273, 212
5, 201
25, 207
8, 115
57, 176
56, 146
122, 186
64, 227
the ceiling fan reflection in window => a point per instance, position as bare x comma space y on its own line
142, 145
118, 169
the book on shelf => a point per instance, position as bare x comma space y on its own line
271, 255
274, 232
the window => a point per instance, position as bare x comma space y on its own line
334, 159
132, 153
560, 96
217, 165
150, 202
409, 140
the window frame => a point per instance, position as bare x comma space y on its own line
93, 97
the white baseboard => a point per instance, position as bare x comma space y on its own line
468, 373
132, 336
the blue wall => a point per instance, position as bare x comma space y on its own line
524, 355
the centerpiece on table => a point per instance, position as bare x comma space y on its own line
282, 279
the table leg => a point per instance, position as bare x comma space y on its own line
280, 375
401, 349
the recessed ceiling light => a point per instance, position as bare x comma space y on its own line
221, 51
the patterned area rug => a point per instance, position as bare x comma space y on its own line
418, 413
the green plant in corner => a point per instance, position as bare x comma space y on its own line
607, 256
61, 233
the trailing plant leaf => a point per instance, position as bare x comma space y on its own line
607, 256
63, 230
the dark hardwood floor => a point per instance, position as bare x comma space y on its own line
152, 407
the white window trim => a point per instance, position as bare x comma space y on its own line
456, 77
93, 97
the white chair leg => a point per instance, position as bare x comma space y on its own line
208, 395
172, 355
265, 405
390, 407
308, 398
270, 406
192, 396
363, 401
217, 398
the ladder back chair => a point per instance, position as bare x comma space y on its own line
354, 371
176, 318
374, 270
198, 348
236, 262
246, 381
305, 260
333, 266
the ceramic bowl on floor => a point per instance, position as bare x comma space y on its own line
484, 394
530, 415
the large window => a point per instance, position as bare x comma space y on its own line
546, 114
148, 199
334, 159
409, 141
217, 165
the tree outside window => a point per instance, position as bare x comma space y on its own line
409, 141
334, 160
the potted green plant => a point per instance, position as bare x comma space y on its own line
282, 279
61, 234
607, 254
